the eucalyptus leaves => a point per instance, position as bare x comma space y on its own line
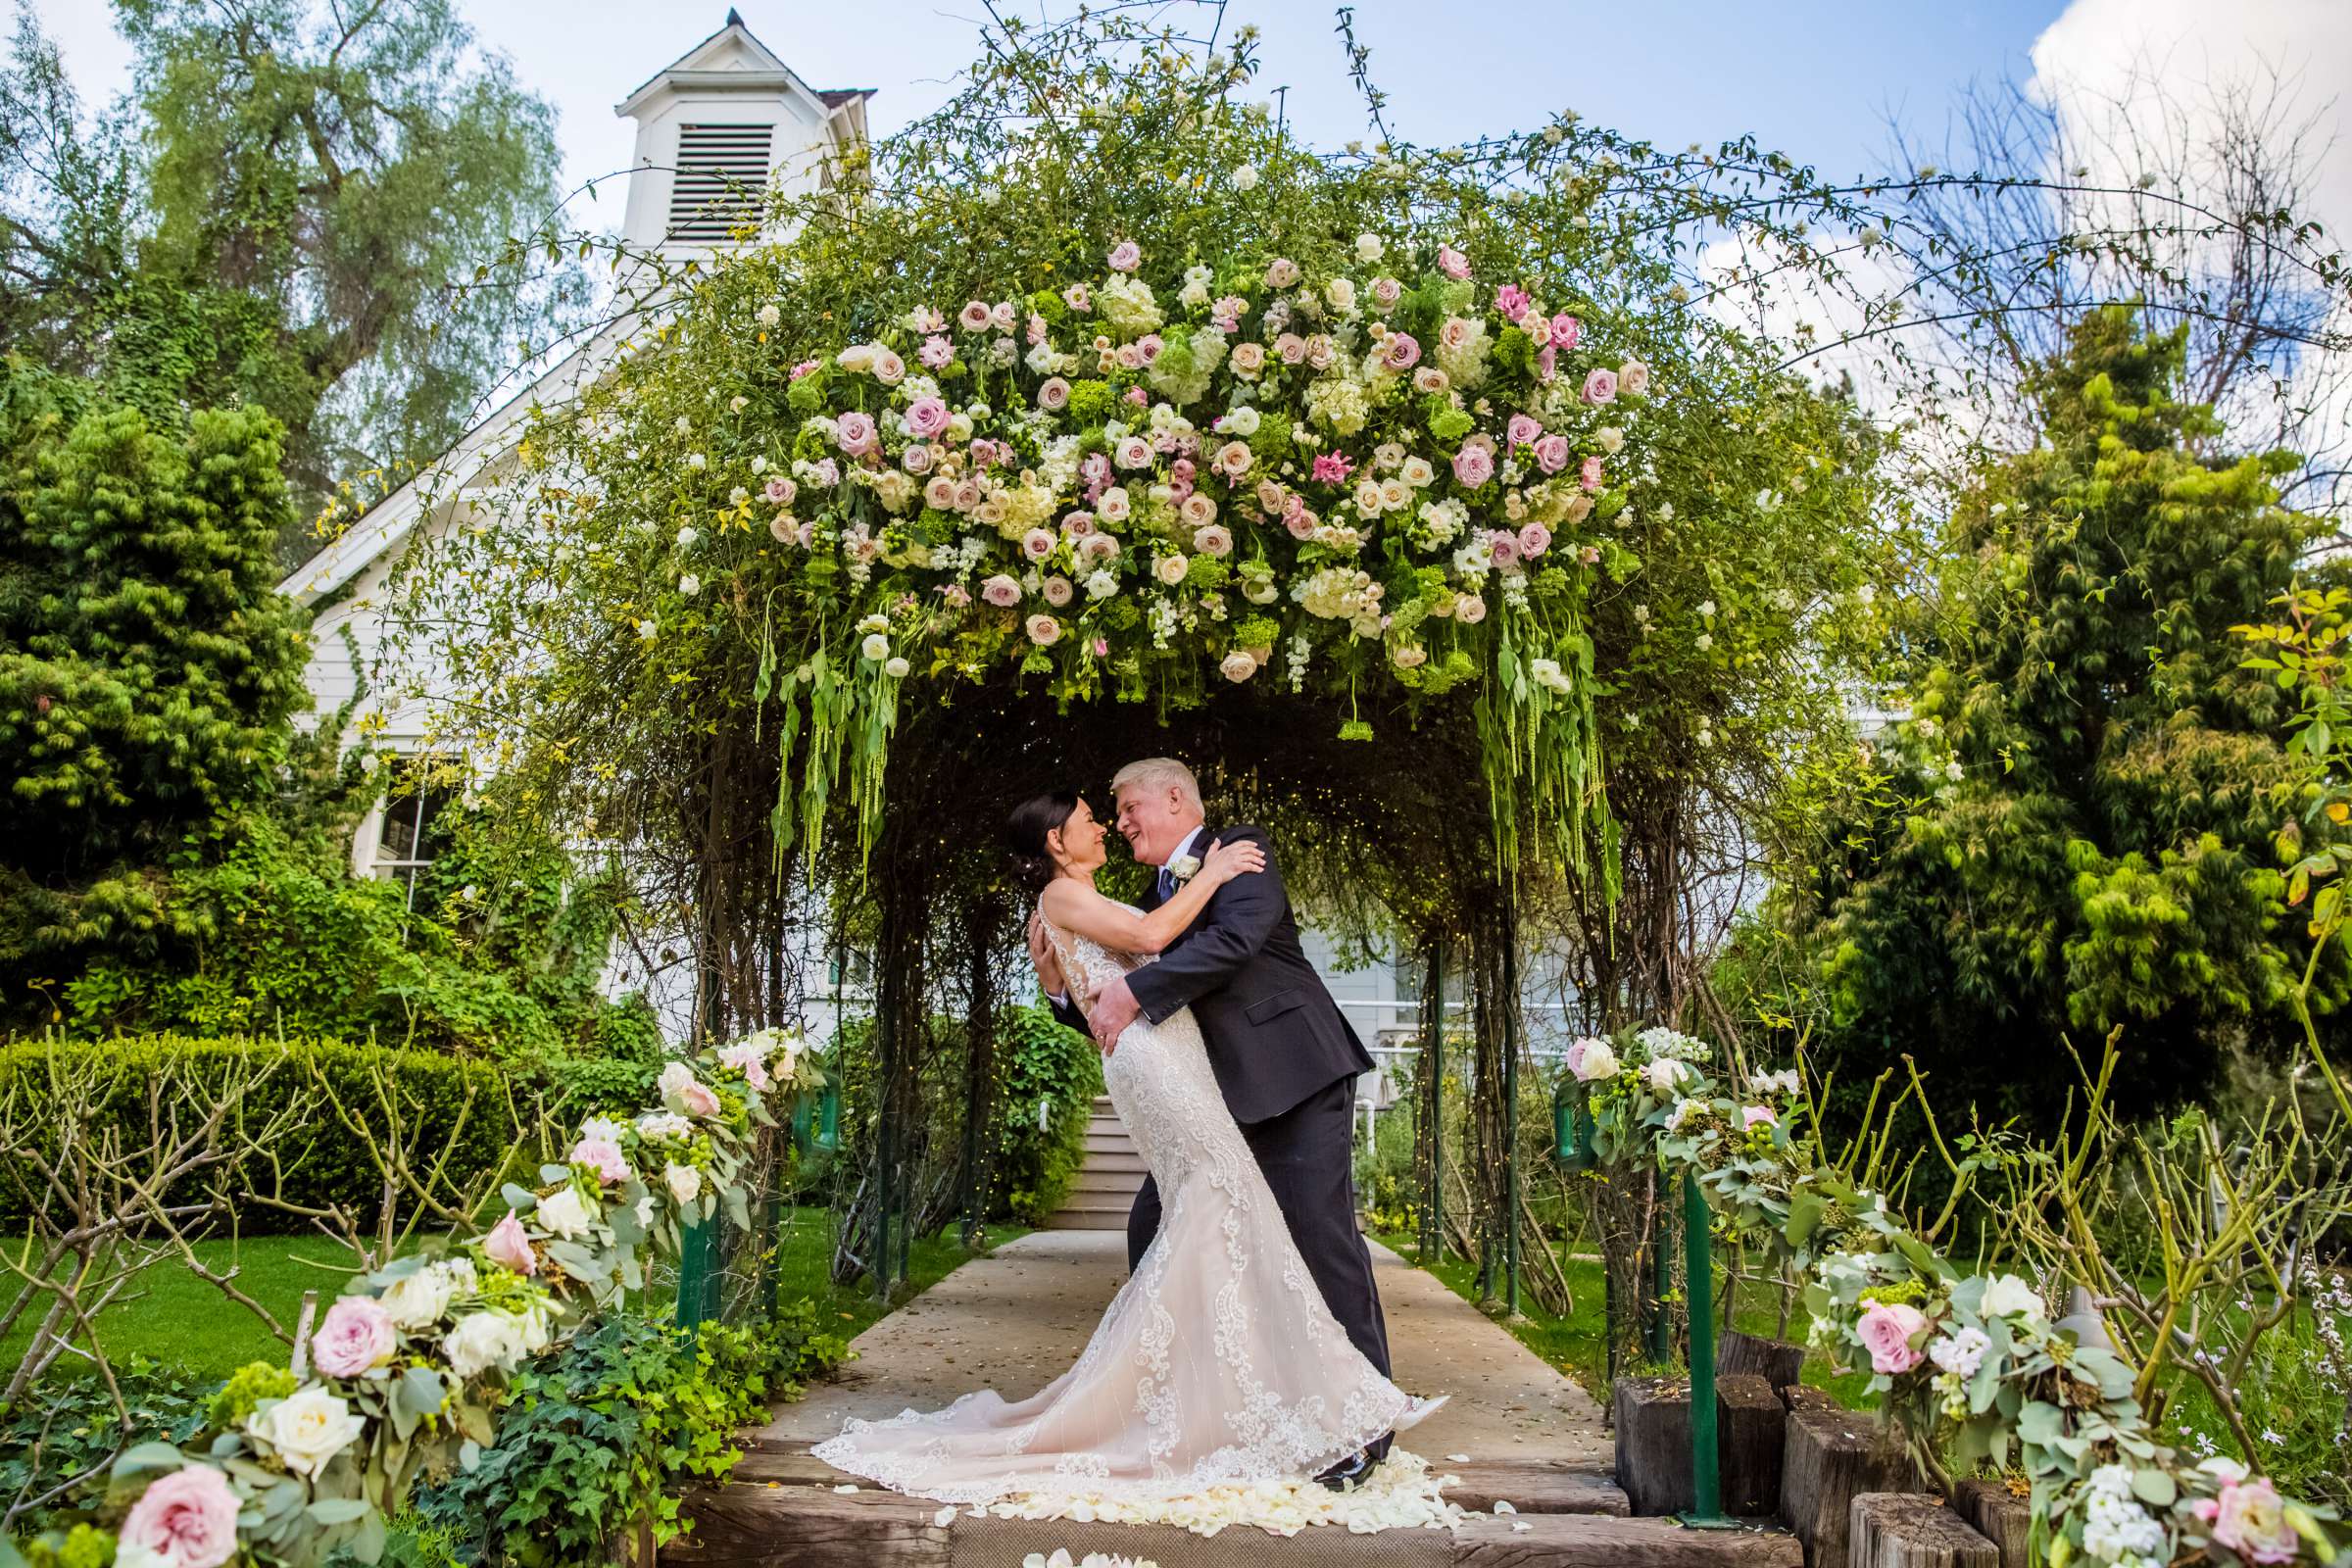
409, 1367
1970, 1366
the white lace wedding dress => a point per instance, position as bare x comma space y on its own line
1216, 1365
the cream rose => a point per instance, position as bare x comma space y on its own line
307, 1429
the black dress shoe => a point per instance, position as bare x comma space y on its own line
1348, 1474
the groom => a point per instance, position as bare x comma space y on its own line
1284, 1054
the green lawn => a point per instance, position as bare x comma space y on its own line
1577, 1343
170, 1316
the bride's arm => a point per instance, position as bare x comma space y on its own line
1078, 909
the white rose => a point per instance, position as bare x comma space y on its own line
686, 537
417, 1300
1595, 1062
876, 647
897, 668
1369, 248
1340, 292
307, 1429
690, 586
1101, 585
769, 316
1170, 569
481, 1340
2007, 1296
1666, 1076
560, 1213
685, 1183
1239, 665
1246, 177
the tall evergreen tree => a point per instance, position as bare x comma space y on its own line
149, 670
2083, 827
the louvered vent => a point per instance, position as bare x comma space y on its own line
722, 173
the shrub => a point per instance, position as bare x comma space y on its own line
1037, 1057
444, 1102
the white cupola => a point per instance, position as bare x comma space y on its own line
716, 128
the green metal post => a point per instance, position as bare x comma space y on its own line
1699, 1264
697, 1274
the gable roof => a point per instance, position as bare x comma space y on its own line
732, 57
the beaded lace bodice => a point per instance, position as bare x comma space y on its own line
1217, 1363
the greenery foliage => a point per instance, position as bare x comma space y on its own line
2082, 822
148, 667
281, 212
452, 1106
597, 1437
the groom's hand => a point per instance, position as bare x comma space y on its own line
1114, 1009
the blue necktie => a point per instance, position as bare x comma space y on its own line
1167, 884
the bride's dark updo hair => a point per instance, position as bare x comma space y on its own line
1025, 834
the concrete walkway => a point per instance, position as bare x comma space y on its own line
1015, 1320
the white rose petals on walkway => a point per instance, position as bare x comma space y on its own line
944, 1518
1399, 1494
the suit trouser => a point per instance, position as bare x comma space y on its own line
1308, 1155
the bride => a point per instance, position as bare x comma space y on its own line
1217, 1363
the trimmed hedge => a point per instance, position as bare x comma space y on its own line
321, 1163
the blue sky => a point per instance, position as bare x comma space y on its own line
1815, 79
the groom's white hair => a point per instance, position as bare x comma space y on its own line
1159, 773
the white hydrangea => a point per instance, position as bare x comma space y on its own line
1961, 1351
1338, 403
1127, 304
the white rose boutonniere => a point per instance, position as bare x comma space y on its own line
1184, 867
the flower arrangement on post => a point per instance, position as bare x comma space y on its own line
407, 1369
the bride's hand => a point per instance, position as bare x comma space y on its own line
1225, 862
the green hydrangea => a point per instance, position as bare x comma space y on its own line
1447, 422
1089, 403
246, 1388
1256, 632
83, 1547
806, 395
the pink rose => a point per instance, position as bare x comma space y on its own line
1522, 430
1270, 496
1565, 331
920, 458
935, 352
1456, 333
1469, 610
1600, 387
1289, 348
1301, 524
856, 435
1320, 351
1503, 546
1001, 591
1452, 262
1054, 395
1757, 1116
1547, 364
1589, 475
1002, 314
1534, 540
1887, 1333
974, 316
1429, 378
682, 1091
780, 491
1078, 524
1037, 543
1401, 352
926, 418
1213, 539
1473, 467
1552, 453
188, 1518
355, 1337
2249, 1519
604, 1157
1078, 297
1044, 630
1510, 302
1098, 549
509, 1245
888, 368
1387, 291
1125, 257
1149, 346
1281, 272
